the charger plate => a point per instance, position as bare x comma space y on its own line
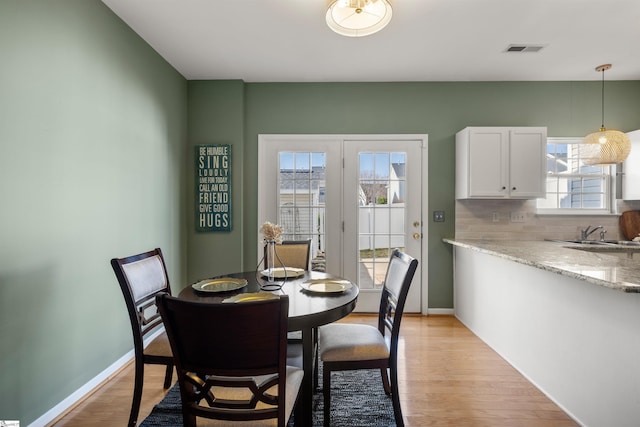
326, 286
279, 272
251, 296
220, 284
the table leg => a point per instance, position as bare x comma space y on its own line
306, 399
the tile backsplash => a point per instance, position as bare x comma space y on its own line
517, 219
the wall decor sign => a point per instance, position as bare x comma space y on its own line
213, 187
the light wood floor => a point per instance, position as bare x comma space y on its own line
448, 377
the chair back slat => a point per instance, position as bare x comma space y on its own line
148, 313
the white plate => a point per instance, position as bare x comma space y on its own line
279, 272
326, 286
220, 284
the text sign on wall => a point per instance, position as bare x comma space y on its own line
213, 187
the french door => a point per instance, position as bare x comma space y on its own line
356, 197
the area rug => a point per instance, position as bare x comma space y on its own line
357, 399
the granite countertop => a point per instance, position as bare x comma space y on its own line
592, 264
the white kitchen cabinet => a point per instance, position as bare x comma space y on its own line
501, 162
631, 169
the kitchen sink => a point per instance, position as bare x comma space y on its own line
589, 242
625, 243
621, 248
628, 243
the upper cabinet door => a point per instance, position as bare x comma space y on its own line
488, 157
527, 162
500, 162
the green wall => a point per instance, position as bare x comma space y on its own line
92, 131
216, 116
437, 109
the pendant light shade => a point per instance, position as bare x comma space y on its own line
358, 18
606, 146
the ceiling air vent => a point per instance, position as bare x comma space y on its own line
523, 48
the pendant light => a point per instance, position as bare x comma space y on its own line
607, 146
358, 18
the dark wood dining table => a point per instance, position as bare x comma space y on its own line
307, 311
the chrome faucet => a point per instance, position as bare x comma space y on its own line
584, 234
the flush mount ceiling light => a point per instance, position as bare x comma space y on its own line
607, 146
357, 18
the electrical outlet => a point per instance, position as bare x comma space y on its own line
518, 216
495, 217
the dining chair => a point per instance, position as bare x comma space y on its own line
344, 346
295, 254
141, 278
231, 360
291, 253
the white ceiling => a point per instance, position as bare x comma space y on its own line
427, 40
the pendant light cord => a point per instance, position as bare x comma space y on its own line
602, 97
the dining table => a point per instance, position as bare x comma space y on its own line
315, 299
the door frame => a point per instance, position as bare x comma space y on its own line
265, 185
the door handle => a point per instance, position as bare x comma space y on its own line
417, 236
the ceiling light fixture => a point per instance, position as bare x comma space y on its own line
607, 146
358, 18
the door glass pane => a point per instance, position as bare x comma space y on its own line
301, 200
381, 209
396, 221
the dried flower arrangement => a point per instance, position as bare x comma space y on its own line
271, 232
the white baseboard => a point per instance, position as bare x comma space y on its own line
440, 311
77, 395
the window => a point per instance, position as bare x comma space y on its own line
381, 212
572, 186
302, 198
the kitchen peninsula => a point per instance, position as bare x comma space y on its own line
567, 319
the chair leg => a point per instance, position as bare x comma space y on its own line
168, 376
297, 411
385, 381
316, 351
326, 391
395, 397
188, 420
137, 392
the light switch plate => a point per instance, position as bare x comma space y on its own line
438, 216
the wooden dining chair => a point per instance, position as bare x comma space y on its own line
291, 253
231, 360
141, 278
345, 346
294, 254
